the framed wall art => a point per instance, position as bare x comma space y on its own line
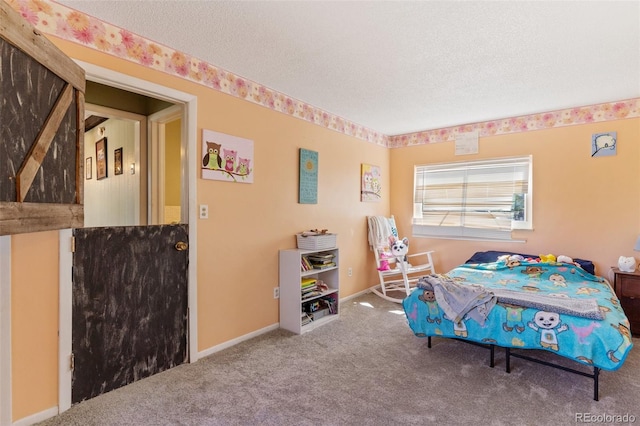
88, 168
225, 157
117, 161
604, 144
101, 159
308, 177
370, 183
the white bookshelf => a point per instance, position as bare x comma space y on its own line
294, 308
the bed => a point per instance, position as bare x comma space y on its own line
519, 302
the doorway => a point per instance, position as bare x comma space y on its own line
187, 103
115, 187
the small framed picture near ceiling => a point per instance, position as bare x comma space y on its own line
370, 183
227, 158
308, 177
604, 144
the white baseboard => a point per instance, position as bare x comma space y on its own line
358, 294
257, 333
37, 417
237, 340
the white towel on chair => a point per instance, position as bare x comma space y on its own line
379, 231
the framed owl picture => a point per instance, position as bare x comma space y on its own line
370, 183
226, 157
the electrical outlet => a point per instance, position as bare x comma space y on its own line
204, 211
350, 271
276, 292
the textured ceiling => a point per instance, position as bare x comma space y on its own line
405, 66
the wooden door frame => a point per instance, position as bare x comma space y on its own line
189, 129
156, 131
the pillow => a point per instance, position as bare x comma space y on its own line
492, 256
394, 228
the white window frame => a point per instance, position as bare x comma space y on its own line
512, 169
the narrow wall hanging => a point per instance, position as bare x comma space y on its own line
117, 161
101, 159
308, 177
88, 168
225, 157
370, 183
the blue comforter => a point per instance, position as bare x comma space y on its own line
516, 323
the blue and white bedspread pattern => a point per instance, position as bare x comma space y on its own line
601, 343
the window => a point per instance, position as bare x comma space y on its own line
473, 200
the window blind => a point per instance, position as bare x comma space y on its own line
479, 199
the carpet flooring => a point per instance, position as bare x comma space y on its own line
366, 368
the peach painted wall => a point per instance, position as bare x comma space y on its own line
34, 322
238, 245
583, 207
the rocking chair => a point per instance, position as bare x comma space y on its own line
398, 276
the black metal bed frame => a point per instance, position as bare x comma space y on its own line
508, 351
595, 375
482, 345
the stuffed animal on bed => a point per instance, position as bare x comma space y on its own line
511, 260
547, 258
564, 259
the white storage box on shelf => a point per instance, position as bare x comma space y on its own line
317, 242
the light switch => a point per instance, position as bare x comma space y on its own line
204, 211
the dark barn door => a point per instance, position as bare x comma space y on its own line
129, 305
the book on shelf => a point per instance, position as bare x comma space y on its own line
319, 257
314, 264
308, 281
324, 265
321, 260
310, 295
305, 264
309, 288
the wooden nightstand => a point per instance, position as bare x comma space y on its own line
627, 288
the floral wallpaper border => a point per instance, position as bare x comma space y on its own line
565, 117
60, 21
